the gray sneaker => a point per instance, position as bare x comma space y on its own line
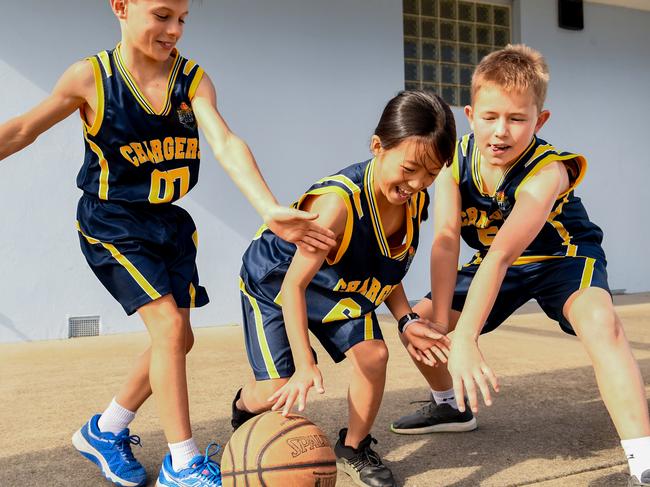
435, 418
633, 481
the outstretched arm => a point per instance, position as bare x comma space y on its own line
445, 248
304, 266
236, 158
534, 203
71, 91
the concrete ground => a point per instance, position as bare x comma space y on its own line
547, 427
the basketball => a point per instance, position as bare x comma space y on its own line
271, 450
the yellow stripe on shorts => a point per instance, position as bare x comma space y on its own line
126, 263
261, 337
587, 273
368, 333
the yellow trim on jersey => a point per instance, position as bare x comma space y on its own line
582, 162
368, 333
102, 194
260, 231
126, 263
99, 89
135, 90
374, 211
189, 65
422, 201
195, 238
348, 183
530, 259
198, 76
461, 145
103, 57
349, 222
192, 296
476, 176
572, 250
377, 225
525, 259
476, 168
587, 273
261, 337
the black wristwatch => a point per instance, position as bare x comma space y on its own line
405, 319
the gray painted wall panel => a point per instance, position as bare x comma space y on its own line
304, 83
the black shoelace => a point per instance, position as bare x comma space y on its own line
366, 457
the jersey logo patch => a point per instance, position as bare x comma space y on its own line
503, 203
186, 116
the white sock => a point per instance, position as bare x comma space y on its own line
115, 418
183, 453
445, 397
637, 451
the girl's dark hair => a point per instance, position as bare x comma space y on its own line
423, 115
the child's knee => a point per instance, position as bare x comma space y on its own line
257, 395
170, 330
601, 326
373, 358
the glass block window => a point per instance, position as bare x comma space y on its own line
445, 39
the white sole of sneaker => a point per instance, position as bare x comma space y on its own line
439, 428
352, 473
88, 451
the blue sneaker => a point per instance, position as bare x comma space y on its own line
111, 453
202, 472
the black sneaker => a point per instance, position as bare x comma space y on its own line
435, 418
635, 482
362, 464
239, 416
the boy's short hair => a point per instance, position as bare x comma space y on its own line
516, 67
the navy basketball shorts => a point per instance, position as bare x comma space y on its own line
550, 282
267, 344
141, 252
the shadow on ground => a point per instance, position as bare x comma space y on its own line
556, 417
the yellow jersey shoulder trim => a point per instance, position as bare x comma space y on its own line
349, 222
106, 63
189, 65
198, 76
555, 157
99, 90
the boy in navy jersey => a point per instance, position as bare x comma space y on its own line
141, 105
510, 196
375, 209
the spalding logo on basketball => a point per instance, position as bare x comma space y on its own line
270, 450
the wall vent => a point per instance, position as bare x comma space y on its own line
83, 326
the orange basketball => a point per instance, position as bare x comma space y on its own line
270, 450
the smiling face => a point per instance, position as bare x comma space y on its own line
153, 27
504, 123
401, 171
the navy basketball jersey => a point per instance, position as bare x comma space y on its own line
365, 268
134, 153
567, 231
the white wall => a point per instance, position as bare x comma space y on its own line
304, 82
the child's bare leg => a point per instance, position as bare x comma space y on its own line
596, 323
167, 376
369, 360
137, 389
254, 395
